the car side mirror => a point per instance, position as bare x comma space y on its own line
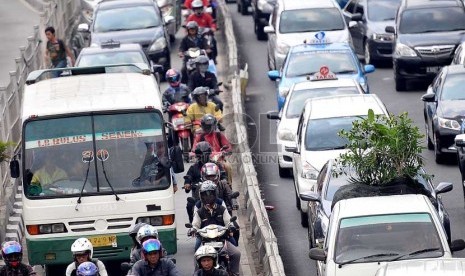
429, 97
188, 225
273, 115
269, 29
356, 17
310, 196
14, 168
317, 254
235, 195
460, 140
291, 149
274, 75
83, 27
169, 19
443, 187
177, 161
457, 245
369, 68
390, 30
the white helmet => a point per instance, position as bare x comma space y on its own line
206, 251
146, 231
196, 4
81, 246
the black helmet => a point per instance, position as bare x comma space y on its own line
203, 151
208, 192
200, 91
192, 25
208, 123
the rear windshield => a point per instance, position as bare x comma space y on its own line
382, 10
445, 19
307, 63
453, 88
311, 20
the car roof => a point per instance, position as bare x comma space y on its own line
308, 47
299, 4
397, 204
432, 3
342, 82
344, 105
122, 48
111, 4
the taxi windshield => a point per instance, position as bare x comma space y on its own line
308, 63
94, 153
103, 58
383, 237
439, 19
311, 20
298, 97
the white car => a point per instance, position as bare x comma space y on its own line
424, 267
293, 21
289, 115
367, 232
317, 138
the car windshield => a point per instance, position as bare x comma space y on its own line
438, 20
298, 97
322, 134
382, 10
123, 151
111, 58
311, 20
386, 237
127, 18
453, 88
307, 63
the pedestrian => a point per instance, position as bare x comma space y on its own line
57, 51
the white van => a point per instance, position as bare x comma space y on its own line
424, 267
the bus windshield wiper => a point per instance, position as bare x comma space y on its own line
415, 253
82, 188
108, 181
368, 257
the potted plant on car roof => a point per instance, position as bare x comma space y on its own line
384, 156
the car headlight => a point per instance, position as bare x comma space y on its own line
166, 10
309, 172
383, 37
282, 48
286, 134
404, 50
158, 45
283, 91
449, 124
264, 6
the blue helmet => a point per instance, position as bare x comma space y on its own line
151, 245
12, 253
87, 269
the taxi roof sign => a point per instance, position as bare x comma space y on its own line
323, 74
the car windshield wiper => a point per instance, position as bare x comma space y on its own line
117, 30
369, 257
415, 253
345, 71
302, 74
83, 185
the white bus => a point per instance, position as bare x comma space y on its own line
94, 162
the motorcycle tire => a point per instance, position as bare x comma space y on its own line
186, 147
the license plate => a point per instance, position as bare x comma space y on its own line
178, 121
101, 241
215, 244
433, 69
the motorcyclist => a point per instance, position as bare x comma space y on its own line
204, 20
202, 106
87, 269
216, 139
83, 250
12, 253
153, 263
211, 172
192, 40
202, 77
206, 257
212, 213
193, 176
144, 233
176, 91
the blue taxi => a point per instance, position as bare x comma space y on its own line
306, 59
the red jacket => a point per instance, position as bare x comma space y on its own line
188, 4
204, 21
217, 140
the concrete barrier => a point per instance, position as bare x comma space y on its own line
265, 240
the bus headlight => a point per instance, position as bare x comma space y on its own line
46, 229
157, 220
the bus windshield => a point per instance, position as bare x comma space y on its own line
94, 154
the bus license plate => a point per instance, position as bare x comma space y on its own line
433, 69
101, 241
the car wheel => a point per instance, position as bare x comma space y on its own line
261, 35
429, 143
367, 56
438, 155
244, 10
401, 84
303, 219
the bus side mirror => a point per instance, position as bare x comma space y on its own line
14, 168
177, 162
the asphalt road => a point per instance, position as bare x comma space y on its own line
279, 192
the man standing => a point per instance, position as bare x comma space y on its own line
57, 51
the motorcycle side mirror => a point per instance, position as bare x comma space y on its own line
233, 219
125, 267
188, 225
220, 83
235, 195
14, 168
191, 200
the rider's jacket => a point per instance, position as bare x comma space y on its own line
164, 267
204, 216
204, 21
21, 270
213, 272
207, 80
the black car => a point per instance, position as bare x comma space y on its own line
444, 110
367, 20
135, 21
243, 6
426, 35
261, 11
327, 185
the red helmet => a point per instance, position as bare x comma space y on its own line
173, 77
210, 171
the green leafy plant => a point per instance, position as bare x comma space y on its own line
382, 148
4, 148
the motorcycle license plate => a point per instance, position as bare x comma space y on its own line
104, 240
215, 244
178, 121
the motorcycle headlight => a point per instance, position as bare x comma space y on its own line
282, 48
264, 6
309, 172
158, 45
283, 91
404, 51
449, 124
286, 134
383, 37
166, 10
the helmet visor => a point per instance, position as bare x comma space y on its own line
151, 245
12, 248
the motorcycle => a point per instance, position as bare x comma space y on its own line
192, 54
207, 34
181, 127
215, 236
